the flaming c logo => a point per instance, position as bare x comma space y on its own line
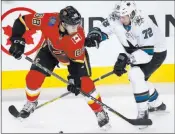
7, 30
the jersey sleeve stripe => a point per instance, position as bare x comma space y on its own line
23, 22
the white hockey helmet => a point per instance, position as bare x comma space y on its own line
128, 8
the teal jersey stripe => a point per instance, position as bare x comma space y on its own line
149, 51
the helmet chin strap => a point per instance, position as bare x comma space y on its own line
61, 27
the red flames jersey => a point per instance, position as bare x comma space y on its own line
66, 48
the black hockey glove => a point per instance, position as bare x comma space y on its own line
120, 65
94, 37
74, 85
17, 47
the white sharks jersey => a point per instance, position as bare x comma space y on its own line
142, 34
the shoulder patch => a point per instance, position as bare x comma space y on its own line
138, 20
52, 21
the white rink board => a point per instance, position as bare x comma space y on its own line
88, 9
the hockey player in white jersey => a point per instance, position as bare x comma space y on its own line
145, 52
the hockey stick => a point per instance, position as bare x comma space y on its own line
65, 94
131, 121
14, 111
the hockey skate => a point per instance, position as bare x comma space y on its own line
103, 120
161, 107
28, 108
143, 115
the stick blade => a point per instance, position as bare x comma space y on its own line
13, 111
140, 122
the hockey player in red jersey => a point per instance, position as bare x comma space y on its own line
64, 43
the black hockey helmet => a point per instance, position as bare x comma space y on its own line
70, 15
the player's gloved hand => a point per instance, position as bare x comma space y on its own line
72, 86
120, 65
17, 47
94, 37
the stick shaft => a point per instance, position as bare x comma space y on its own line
60, 78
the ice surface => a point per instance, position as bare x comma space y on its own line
72, 115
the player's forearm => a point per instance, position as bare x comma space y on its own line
17, 40
19, 27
